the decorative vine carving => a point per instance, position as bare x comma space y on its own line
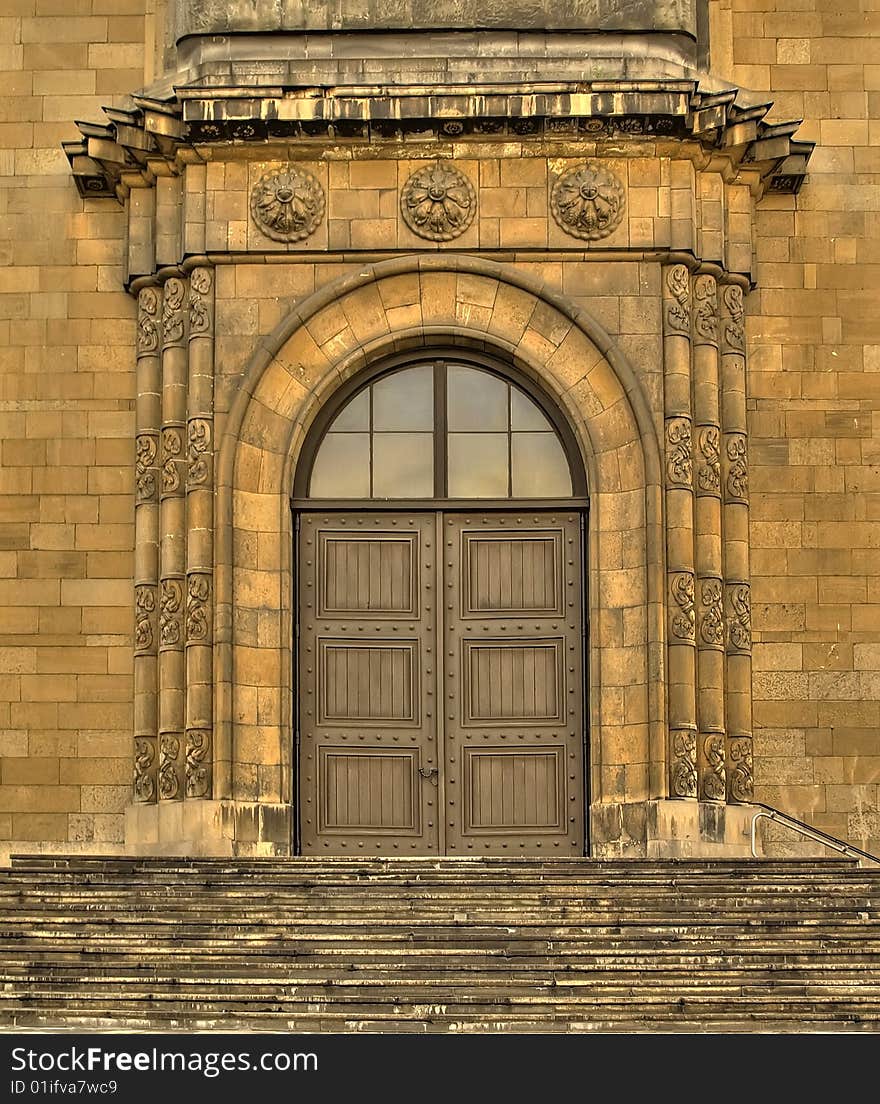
588, 202
144, 758
738, 471
147, 330
734, 329
678, 313
198, 434
679, 461
146, 451
438, 202
709, 475
287, 204
712, 613
706, 309
198, 772
199, 308
740, 626
172, 447
683, 775
742, 785
198, 608
145, 607
682, 620
170, 602
169, 780
715, 776
172, 311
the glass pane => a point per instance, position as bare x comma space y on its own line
476, 400
342, 467
478, 465
540, 466
403, 465
355, 415
526, 414
405, 400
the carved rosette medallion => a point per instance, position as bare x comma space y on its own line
438, 202
734, 330
709, 473
198, 609
200, 283
172, 447
144, 618
287, 204
739, 618
679, 461
678, 312
147, 323
146, 452
172, 312
682, 619
711, 614
198, 444
198, 773
588, 202
170, 613
737, 482
144, 758
714, 780
705, 311
683, 769
742, 785
169, 780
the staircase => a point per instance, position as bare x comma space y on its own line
448, 945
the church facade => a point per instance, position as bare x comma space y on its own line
437, 432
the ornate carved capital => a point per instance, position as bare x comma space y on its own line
173, 323
709, 472
742, 783
201, 312
713, 785
198, 609
739, 619
145, 474
682, 619
705, 311
683, 763
287, 204
170, 613
677, 315
588, 202
198, 765
679, 459
172, 449
737, 482
711, 614
438, 202
144, 619
733, 332
144, 759
147, 323
169, 779
198, 452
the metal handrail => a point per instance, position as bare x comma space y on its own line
767, 812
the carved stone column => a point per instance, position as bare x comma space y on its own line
737, 594
707, 544
200, 535
682, 755
146, 515
172, 518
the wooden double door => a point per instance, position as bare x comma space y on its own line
441, 683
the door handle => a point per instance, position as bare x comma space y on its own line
430, 773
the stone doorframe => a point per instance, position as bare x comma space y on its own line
638, 760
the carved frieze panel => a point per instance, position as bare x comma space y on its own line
714, 775
171, 614
438, 202
198, 609
173, 316
682, 619
588, 202
737, 482
145, 469
733, 331
201, 322
172, 449
679, 453
683, 768
739, 618
198, 452
198, 766
709, 471
742, 785
705, 311
145, 619
677, 316
148, 322
287, 204
169, 778
711, 614
144, 760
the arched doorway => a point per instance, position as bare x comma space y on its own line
439, 504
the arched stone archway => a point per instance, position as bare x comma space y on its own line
389, 307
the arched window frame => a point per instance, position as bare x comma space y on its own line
439, 357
